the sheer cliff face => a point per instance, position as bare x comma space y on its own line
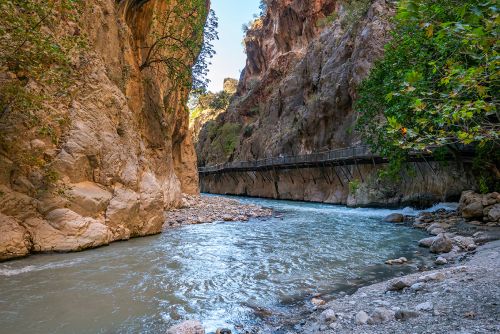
124, 157
295, 94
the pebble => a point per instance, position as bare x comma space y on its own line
400, 260
398, 284
432, 277
381, 315
328, 315
417, 286
441, 260
318, 301
406, 314
361, 318
426, 306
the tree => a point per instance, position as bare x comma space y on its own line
181, 43
438, 82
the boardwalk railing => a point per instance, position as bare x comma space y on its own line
347, 156
355, 152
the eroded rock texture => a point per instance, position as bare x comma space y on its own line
125, 156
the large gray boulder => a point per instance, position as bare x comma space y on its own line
441, 244
394, 218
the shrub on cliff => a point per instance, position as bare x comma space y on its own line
35, 72
438, 82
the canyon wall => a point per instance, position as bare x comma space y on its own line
124, 155
421, 186
305, 60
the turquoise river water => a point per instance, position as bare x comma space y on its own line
254, 275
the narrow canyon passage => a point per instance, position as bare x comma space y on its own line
221, 273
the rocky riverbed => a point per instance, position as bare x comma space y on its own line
208, 209
459, 294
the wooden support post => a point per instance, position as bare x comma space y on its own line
340, 180
359, 172
344, 173
432, 169
421, 173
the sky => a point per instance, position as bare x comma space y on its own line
230, 58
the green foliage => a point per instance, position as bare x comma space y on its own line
30, 50
36, 72
181, 46
354, 11
224, 137
438, 82
354, 186
485, 167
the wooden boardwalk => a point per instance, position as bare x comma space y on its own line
340, 157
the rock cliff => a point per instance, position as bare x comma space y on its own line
123, 156
305, 60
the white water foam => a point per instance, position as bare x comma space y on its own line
7, 270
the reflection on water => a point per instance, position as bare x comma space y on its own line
224, 274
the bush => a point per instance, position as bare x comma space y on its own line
438, 82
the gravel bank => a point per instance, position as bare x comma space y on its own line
208, 209
463, 298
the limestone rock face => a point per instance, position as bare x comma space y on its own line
125, 153
14, 239
295, 94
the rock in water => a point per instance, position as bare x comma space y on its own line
394, 218
426, 242
187, 327
401, 260
441, 260
441, 244
223, 331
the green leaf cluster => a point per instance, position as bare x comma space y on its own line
438, 83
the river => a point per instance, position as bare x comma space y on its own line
252, 274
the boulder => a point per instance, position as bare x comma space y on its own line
398, 284
494, 213
187, 327
14, 239
426, 242
381, 315
441, 244
473, 210
88, 198
361, 318
465, 243
64, 230
394, 218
